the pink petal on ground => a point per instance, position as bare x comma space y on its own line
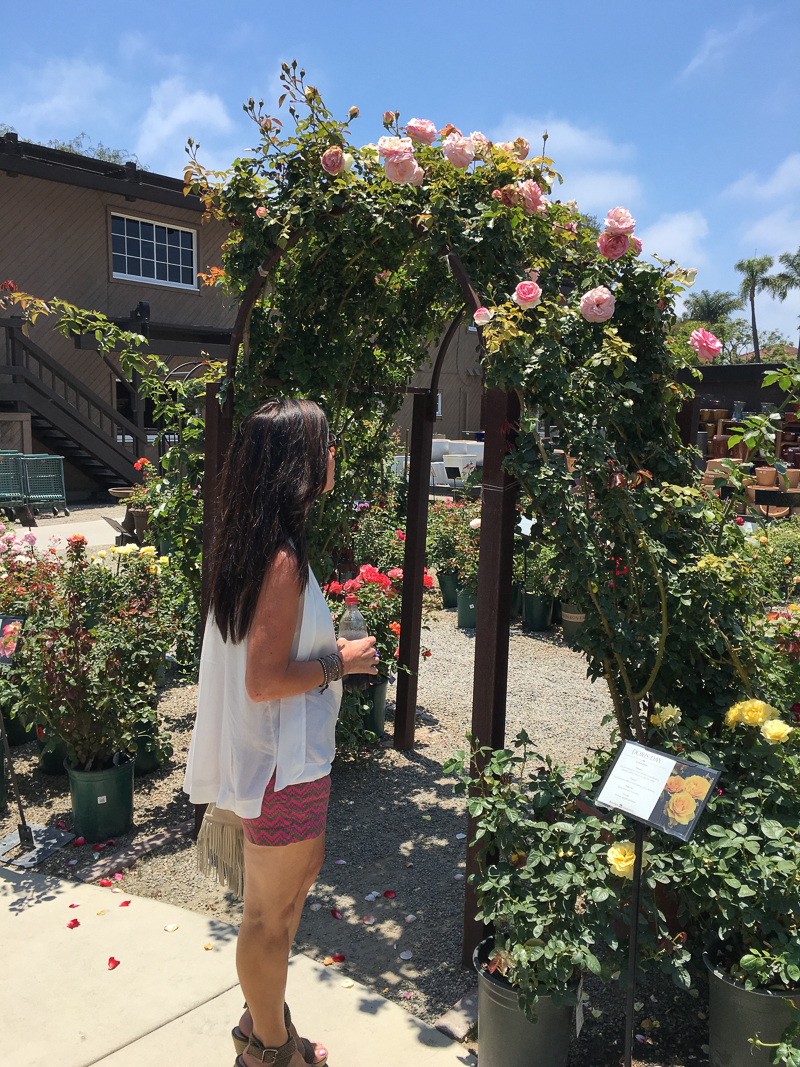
407, 996
111, 844
340, 863
336, 914
406, 955
117, 877
338, 957
71, 863
458, 877
74, 905
390, 893
105, 881
411, 918
72, 924
124, 903
98, 847
112, 963
368, 920
78, 841
61, 825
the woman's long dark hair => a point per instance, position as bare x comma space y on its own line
276, 469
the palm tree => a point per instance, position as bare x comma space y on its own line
789, 278
756, 280
711, 307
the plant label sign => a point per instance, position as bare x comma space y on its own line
10, 633
657, 789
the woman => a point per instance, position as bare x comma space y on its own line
268, 700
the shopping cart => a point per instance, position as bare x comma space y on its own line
44, 483
12, 483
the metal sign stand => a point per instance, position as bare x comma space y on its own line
633, 950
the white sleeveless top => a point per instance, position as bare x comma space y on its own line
238, 743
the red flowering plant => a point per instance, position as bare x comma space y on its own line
445, 518
84, 674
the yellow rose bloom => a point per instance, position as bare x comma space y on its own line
697, 786
751, 713
621, 858
163, 560
681, 808
774, 731
102, 554
764, 540
732, 716
148, 550
788, 560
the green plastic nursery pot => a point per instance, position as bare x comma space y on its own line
537, 611
146, 759
572, 619
467, 609
375, 696
557, 611
516, 600
449, 588
52, 762
736, 1014
505, 1036
102, 801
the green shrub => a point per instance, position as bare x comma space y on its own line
778, 561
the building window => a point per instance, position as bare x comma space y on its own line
438, 405
148, 251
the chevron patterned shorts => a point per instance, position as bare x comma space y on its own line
296, 813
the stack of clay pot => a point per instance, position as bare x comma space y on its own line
767, 478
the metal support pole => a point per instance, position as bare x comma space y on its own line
633, 948
25, 832
419, 477
498, 519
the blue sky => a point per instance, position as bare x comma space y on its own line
684, 111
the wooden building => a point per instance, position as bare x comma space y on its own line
111, 238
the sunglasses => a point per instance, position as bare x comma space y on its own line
332, 441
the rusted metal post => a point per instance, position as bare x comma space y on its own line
489, 687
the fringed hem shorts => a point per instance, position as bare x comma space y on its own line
296, 813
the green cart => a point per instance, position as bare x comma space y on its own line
44, 483
12, 482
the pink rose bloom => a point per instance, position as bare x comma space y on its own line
532, 198
421, 130
612, 246
597, 305
636, 244
521, 148
705, 344
482, 316
619, 220
480, 142
333, 160
496, 194
262, 211
532, 273
460, 151
396, 148
527, 294
403, 171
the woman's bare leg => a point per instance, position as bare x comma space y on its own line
276, 882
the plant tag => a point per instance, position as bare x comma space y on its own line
579, 1011
101, 800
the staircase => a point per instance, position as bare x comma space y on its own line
66, 415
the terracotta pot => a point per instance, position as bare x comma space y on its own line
740, 451
719, 445
766, 476
791, 480
790, 416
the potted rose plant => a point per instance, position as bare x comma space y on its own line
444, 519
540, 587
467, 553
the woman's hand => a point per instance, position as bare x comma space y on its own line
359, 656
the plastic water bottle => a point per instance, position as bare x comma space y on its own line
352, 628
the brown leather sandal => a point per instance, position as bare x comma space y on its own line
280, 1057
305, 1047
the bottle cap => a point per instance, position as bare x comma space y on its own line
351, 598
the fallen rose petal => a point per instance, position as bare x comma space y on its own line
61, 825
105, 881
368, 920
338, 957
411, 918
406, 955
124, 903
348, 983
169, 929
71, 863
72, 924
111, 844
640, 1038
112, 963
336, 914
74, 905
458, 877
389, 894
115, 889
101, 913
78, 841
409, 864
328, 961
98, 847
340, 863
208, 946
316, 907
407, 996
117, 877
460, 837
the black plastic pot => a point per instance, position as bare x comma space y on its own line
506, 1037
448, 583
516, 600
102, 801
557, 611
736, 1014
375, 696
467, 609
537, 612
146, 759
16, 732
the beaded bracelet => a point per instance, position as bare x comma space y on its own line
324, 673
332, 669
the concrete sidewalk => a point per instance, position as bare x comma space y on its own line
171, 1000
98, 533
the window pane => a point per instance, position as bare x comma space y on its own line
132, 227
117, 224
161, 253
148, 269
133, 247
186, 240
117, 243
173, 237
148, 250
187, 259
161, 271
174, 273
173, 255
134, 266
147, 231
161, 234
186, 276
118, 263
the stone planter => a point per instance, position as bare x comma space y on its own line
507, 1038
737, 1014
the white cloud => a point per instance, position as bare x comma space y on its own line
775, 233
678, 236
717, 43
587, 159
176, 113
783, 182
779, 315
64, 95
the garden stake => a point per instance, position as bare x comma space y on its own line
634, 940
25, 832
